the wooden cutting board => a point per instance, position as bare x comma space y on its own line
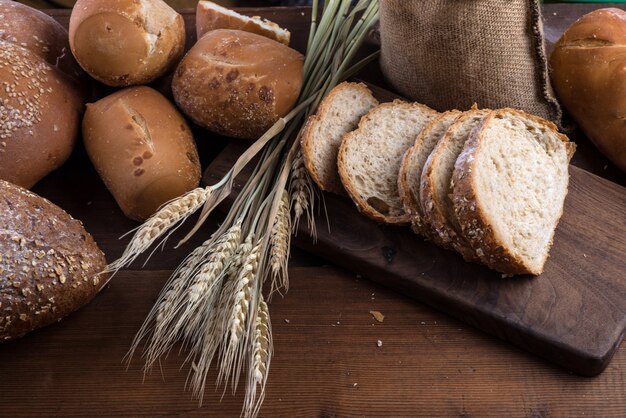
574, 314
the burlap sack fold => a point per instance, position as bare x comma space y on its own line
449, 54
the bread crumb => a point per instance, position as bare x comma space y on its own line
287, 321
378, 316
379, 343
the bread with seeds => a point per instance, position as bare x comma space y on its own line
508, 189
338, 114
413, 164
49, 265
370, 157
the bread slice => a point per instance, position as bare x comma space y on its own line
337, 114
509, 185
413, 165
435, 188
211, 16
370, 157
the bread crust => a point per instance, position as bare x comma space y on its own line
346, 180
211, 16
443, 230
308, 147
49, 265
469, 210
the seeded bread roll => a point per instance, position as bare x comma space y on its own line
40, 105
142, 148
589, 75
211, 16
237, 83
49, 265
126, 42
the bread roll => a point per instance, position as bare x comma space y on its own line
589, 76
211, 16
49, 265
126, 42
142, 148
40, 105
237, 83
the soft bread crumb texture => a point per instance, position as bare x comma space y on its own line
370, 157
338, 114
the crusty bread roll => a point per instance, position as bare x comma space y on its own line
142, 148
49, 265
40, 105
238, 83
589, 76
211, 16
126, 42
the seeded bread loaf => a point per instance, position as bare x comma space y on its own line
435, 186
40, 104
211, 16
126, 42
370, 157
413, 164
49, 265
509, 185
338, 114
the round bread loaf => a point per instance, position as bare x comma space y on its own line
589, 76
40, 105
237, 83
49, 265
126, 42
142, 148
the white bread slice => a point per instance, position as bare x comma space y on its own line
337, 114
211, 16
413, 165
509, 186
435, 188
370, 157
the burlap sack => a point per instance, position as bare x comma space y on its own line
450, 54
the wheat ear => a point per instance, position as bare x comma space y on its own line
301, 192
280, 241
261, 354
158, 224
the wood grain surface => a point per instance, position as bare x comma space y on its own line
428, 365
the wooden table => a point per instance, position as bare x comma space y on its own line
327, 361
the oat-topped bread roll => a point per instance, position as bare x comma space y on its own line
49, 265
338, 114
237, 83
435, 187
509, 185
126, 42
370, 157
211, 16
40, 99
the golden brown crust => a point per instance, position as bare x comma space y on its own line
49, 265
210, 16
468, 209
223, 85
40, 110
308, 149
126, 42
588, 73
142, 148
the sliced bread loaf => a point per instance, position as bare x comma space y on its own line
413, 165
435, 188
370, 157
337, 114
509, 185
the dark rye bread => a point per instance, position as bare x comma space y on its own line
413, 164
509, 186
49, 265
435, 184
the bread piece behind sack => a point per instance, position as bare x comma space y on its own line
337, 114
370, 157
211, 16
413, 164
510, 183
435, 186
